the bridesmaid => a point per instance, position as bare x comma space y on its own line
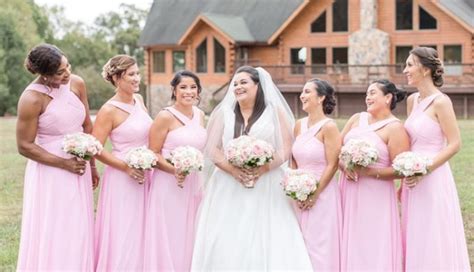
57, 220
371, 238
121, 209
171, 214
433, 232
316, 148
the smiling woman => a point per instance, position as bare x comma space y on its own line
57, 221
123, 119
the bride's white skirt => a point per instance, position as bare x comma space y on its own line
248, 229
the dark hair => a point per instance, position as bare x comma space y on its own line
323, 88
44, 59
117, 65
387, 87
179, 76
258, 107
428, 57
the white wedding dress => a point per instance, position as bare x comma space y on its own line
249, 229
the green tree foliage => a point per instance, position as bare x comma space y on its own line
23, 24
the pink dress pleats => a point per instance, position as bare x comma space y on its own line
57, 221
371, 236
433, 232
322, 224
120, 220
171, 215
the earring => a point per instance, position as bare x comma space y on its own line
386, 102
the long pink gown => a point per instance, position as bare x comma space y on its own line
57, 222
322, 224
120, 220
171, 215
371, 237
433, 232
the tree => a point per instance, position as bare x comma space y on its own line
122, 29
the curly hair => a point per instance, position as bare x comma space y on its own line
116, 66
44, 59
428, 57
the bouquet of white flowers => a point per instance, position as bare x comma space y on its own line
81, 145
299, 184
141, 158
409, 164
358, 153
186, 159
248, 152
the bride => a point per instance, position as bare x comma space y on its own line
242, 228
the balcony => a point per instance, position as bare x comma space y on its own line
457, 78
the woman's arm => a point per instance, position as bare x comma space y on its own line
332, 146
78, 86
398, 142
447, 120
296, 133
30, 106
103, 126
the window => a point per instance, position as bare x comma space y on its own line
339, 56
319, 25
159, 62
178, 61
201, 57
219, 57
452, 59
318, 60
401, 55
404, 14
298, 60
426, 20
430, 45
339, 16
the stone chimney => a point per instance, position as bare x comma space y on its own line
368, 46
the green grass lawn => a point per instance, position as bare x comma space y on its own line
12, 166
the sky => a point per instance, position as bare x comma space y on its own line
87, 10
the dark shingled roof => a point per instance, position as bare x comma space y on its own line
464, 9
247, 20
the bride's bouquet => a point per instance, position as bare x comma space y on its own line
358, 153
140, 158
248, 152
299, 184
409, 164
81, 145
186, 159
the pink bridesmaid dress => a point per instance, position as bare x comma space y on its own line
433, 232
371, 236
120, 220
57, 221
171, 214
322, 224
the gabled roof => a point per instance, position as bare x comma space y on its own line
460, 10
232, 28
242, 20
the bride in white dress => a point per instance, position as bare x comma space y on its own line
241, 228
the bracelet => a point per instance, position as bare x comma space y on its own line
93, 166
378, 174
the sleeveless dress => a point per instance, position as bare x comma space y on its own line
322, 224
171, 215
371, 238
120, 220
249, 229
433, 232
57, 221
